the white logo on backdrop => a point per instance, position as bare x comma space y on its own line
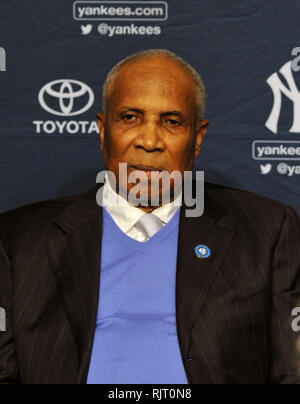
265, 169
2, 320
291, 92
86, 29
66, 92
2, 60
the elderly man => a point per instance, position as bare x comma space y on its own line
119, 293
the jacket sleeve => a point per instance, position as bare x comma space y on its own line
285, 339
8, 363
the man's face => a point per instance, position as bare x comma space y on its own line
151, 120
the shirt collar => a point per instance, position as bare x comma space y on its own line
126, 215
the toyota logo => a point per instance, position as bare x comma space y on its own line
66, 97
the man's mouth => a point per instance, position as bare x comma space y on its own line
146, 168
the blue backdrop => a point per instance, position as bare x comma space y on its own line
245, 50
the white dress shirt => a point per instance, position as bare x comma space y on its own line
125, 215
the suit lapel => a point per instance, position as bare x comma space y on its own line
194, 275
74, 256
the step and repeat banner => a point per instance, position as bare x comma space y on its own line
55, 55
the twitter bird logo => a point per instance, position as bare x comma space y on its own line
86, 29
265, 169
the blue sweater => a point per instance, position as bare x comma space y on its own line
136, 336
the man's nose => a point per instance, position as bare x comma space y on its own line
149, 137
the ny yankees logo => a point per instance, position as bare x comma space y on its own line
291, 91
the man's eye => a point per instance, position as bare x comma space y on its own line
130, 118
172, 122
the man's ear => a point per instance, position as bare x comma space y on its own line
201, 130
101, 125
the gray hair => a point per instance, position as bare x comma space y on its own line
201, 97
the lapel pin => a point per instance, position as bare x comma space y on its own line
202, 251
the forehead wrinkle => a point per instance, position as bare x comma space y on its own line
157, 58
141, 82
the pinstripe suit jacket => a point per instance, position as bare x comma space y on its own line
233, 309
